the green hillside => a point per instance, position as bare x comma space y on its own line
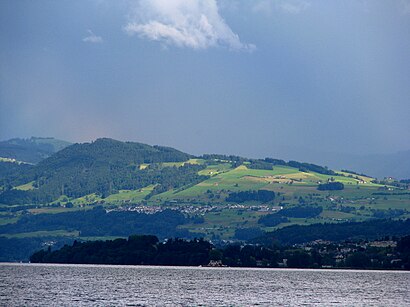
222, 197
115, 173
103, 167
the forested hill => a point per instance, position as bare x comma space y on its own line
89, 173
113, 152
103, 167
32, 150
113, 188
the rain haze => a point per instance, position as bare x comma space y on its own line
290, 79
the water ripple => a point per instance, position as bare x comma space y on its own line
92, 285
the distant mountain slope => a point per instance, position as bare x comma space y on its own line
395, 165
31, 150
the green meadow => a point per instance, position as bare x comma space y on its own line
361, 199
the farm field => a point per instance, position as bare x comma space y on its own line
361, 199
40, 234
289, 183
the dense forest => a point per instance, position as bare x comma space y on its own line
136, 250
147, 250
97, 222
331, 186
274, 219
20, 249
263, 196
103, 167
301, 212
247, 234
337, 232
17, 249
306, 167
10, 171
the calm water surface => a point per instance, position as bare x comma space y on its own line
92, 285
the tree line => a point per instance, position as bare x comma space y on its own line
243, 196
331, 186
136, 250
148, 250
373, 229
98, 222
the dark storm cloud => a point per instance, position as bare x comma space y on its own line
325, 77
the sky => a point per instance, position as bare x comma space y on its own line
277, 78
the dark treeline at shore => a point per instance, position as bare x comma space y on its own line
389, 253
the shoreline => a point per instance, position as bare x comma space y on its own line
198, 267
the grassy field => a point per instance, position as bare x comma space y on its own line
39, 234
224, 223
288, 182
129, 195
215, 169
8, 220
26, 187
55, 210
87, 199
359, 200
292, 188
102, 238
338, 215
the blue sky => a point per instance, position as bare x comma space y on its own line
254, 78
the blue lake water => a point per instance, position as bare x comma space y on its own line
96, 285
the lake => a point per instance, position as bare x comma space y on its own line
97, 285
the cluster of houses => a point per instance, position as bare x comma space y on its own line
194, 209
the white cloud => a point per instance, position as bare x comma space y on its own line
286, 6
92, 38
194, 24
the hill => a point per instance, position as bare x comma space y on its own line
103, 167
32, 150
221, 197
111, 172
